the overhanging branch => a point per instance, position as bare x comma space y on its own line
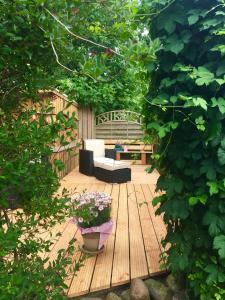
80, 37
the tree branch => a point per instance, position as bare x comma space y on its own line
65, 67
159, 11
78, 36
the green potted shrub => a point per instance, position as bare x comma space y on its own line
91, 211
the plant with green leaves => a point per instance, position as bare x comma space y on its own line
185, 107
38, 39
114, 76
29, 182
27, 137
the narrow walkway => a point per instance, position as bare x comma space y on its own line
132, 250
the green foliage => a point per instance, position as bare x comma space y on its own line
108, 81
102, 48
28, 181
185, 108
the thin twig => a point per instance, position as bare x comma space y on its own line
165, 106
80, 37
57, 58
65, 67
213, 8
179, 111
158, 12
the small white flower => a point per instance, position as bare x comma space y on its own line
80, 220
101, 207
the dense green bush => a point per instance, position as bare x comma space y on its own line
27, 138
186, 107
108, 80
28, 181
39, 39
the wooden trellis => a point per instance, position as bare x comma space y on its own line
119, 124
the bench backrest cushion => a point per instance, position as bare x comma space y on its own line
95, 145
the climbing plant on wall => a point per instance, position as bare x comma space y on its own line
186, 108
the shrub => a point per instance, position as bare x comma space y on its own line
186, 107
28, 181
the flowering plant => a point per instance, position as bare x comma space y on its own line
91, 208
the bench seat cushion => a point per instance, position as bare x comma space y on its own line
110, 164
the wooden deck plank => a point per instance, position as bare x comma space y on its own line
103, 268
151, 243
121, 262
138, 263
67, 230
80, 283
116, 265
78, 240
157, 221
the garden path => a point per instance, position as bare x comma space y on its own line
132, 250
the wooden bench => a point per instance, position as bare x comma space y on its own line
133, 147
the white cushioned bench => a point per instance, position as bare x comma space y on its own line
93, 161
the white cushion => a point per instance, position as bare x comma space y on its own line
95, 145
99, 161
110, 164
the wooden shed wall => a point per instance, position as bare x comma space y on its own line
70, 159
86, 123
60, 103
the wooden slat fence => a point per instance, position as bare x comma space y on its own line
60, 103
86, 123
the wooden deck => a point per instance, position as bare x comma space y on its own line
132, 250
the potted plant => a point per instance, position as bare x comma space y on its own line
91, 212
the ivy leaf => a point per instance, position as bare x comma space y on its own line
204, 76
173, 99
195, 200
221, 156
193, 19
219, 244
198, 101
170, 26
220, 103
208, 168
213, 187
221, 69
220, 81
214, 223
174, 44
200, 123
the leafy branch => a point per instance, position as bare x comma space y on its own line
80, 37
